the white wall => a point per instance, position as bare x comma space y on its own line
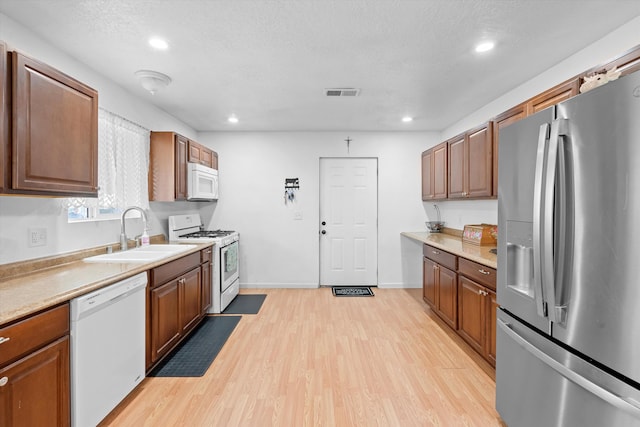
18, 214
278, 251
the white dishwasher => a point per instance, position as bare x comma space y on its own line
107, 348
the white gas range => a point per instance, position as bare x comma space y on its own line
225, 278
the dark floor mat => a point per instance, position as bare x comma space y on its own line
245, 304
193, 357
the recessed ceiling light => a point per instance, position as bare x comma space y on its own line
232, 119
484, 47
407, 119
158, 43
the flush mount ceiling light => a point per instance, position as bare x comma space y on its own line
407, 119
158, 43
233, 119
484, 47
152, 81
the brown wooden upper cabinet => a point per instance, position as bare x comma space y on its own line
456, 166
471, 163
54, 144
434, 173
169, 156
500, 122
553, 96
168, 167
214, 161
198, 153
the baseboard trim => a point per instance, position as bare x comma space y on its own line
278, 286
315, 286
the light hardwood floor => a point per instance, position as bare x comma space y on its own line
312, 359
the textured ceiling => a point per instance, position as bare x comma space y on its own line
268, 61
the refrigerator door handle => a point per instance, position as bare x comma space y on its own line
613, 399
548, 221
561, 236
538, 210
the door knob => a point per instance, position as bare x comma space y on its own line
324, 223
324, 231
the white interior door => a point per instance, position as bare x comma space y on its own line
348, 222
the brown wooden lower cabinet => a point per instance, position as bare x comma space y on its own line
175, 310
491, 328
178, 298
472, 313
190, 306
463, 295
477, 317
36, 392
207, 271
477, 306
429, 282
440, 285
165, 319
35, 370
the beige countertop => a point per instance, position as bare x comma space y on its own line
28, 293
453, 244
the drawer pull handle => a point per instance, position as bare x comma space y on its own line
3, 381
482, 292
483, 271
436, 252
3, 339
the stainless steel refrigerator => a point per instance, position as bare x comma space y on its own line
568, 333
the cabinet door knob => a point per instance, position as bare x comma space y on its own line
3, 381
483, 271
4, 339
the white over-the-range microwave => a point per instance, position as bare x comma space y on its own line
202, 182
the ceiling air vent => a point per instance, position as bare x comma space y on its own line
342, 92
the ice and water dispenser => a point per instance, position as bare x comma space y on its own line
519, 237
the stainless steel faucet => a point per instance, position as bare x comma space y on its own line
123, 234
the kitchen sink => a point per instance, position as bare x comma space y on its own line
141, 254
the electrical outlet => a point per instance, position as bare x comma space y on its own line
37, 237
297, 215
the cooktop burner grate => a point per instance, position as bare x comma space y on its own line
207, 233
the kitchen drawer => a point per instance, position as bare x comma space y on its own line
173, 269
206, 255
32, 332
480, 273
441, 257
